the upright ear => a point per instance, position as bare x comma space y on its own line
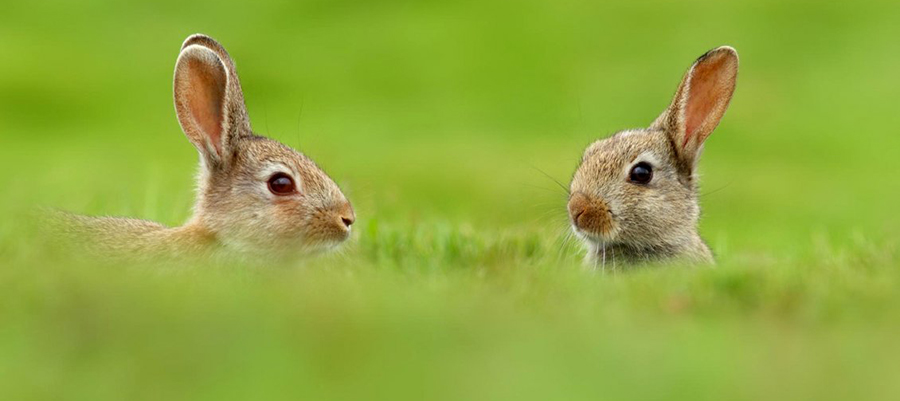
700, 102
208, 99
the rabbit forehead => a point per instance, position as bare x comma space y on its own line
607, 156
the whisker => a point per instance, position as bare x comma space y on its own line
614, 264
542, 211
550, 214
564, 188
717, 189
562, 246
603, 256
544, 188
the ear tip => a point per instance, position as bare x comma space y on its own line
197, 52
196, 57
199, 39
722, 51
726, 48
723, 57
730, 51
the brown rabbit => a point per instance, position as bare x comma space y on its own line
634, 196
255, 196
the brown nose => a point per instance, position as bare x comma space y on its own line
589, 214
348, 217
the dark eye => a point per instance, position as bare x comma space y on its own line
641, 173
281, 184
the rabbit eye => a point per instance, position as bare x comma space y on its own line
641, 173
281, 184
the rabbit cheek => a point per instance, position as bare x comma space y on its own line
590, 215
288, 217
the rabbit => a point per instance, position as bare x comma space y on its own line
255, 196
633, 197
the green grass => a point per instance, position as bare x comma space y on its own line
435, 118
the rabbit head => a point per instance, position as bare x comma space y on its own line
254, 193
634, 195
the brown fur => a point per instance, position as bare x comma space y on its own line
235, 213
622, 221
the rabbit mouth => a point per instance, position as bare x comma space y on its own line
329, 236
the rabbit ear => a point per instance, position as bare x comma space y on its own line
700, 102
208, 98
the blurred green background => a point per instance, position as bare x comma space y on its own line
439, 120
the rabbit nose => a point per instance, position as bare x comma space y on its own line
348, 217
348, 220
589, 214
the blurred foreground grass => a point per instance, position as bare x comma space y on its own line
439, 317
437, 119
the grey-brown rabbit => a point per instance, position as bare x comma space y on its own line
633, 198
255, 196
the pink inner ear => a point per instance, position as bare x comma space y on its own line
707, 91
207, 94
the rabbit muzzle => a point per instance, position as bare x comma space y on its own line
590, 215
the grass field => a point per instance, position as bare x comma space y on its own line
439, 120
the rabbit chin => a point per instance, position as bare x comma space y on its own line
597, 245
607, 236
325, 243
301, 245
